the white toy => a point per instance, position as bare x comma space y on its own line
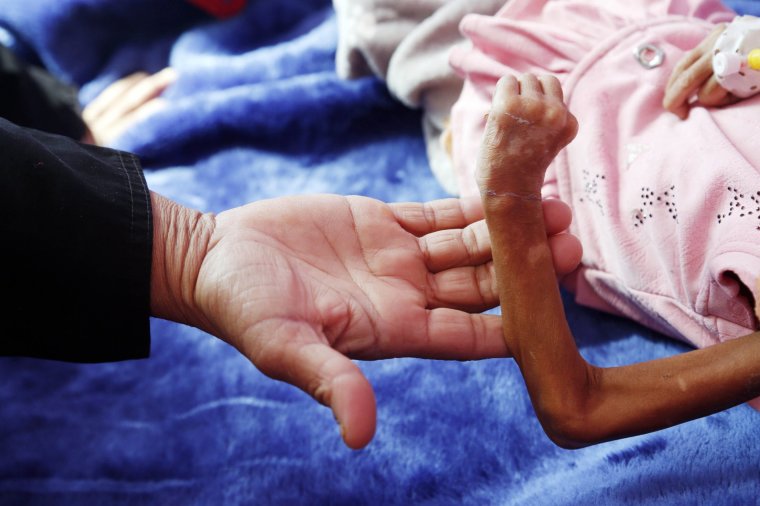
736, 57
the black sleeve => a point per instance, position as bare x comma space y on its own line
76, 249
32, 97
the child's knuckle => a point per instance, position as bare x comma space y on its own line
533, 108
555, 115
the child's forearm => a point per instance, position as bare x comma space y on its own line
579, 404
661, 393
559, 380
533, 319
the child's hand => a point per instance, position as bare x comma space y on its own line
527, 126
694, 75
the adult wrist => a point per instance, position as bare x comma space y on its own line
180, 241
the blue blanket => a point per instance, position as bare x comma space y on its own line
259, 112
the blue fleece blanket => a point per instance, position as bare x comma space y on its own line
259, 112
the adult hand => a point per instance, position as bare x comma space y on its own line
694, 75
300, 285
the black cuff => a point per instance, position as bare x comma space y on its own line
77, 249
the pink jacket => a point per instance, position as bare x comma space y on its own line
668, 211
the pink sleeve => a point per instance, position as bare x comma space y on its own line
735, 273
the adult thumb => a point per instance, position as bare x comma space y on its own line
296, 354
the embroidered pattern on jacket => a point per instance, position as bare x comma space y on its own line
742, 205
652, 202
591, 190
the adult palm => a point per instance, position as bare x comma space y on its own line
300, 285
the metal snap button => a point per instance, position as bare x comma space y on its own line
649, 55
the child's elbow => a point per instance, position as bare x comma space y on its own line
576, 420
571, 433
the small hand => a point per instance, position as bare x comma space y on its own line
527, 126
124, 103
694, 75
300, 284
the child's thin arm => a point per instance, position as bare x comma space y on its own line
579, 404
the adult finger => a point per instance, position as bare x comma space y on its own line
557, 216
423, 218
103, 102
107, 133
297, 354
471, 289
567, 253
457, 247
712, 94
687, 83
149, 89
474, 288
451, 334
695, 54
138, 95
689, 74
684, 63
471, 245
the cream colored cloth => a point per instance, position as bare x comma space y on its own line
407, 44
